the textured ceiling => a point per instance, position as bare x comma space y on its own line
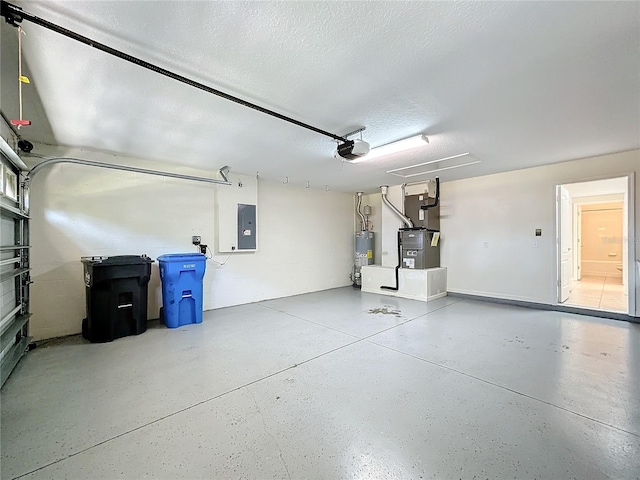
516, 84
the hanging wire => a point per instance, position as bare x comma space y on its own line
215, 261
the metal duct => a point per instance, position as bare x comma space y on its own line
363, 224
52, 161
406, 220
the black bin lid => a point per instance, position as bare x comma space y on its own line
117, 260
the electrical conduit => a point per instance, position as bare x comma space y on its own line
52, 161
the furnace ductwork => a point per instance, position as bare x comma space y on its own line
406, 220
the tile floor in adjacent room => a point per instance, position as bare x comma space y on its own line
334, 384
602, 293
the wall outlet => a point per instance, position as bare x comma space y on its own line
196, 240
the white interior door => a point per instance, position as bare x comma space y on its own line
565, 232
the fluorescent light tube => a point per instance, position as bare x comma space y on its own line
410, 143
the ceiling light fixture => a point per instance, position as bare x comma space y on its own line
403, 145
396, 171
438, 169
429, 162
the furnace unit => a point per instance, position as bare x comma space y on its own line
420, 249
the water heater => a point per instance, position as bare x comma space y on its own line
364, 243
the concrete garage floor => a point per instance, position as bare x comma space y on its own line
335, 384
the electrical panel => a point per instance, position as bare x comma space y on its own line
237, 214
246, 227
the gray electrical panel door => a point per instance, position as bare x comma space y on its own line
246, 227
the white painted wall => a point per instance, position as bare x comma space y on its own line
503, 211
305, 236
610, 186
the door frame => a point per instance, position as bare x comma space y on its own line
630, 203
560, 190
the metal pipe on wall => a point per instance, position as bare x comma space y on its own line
79, 161
363, 225
403, 193
406, 220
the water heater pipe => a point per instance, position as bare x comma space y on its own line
406, 220
359, 204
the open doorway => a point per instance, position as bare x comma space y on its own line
593, 251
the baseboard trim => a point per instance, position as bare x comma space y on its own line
554, 308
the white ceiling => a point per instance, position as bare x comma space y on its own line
516, 84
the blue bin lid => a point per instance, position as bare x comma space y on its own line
182, 257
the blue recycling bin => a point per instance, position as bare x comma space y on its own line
181, 275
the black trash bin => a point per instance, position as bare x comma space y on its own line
116, 292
